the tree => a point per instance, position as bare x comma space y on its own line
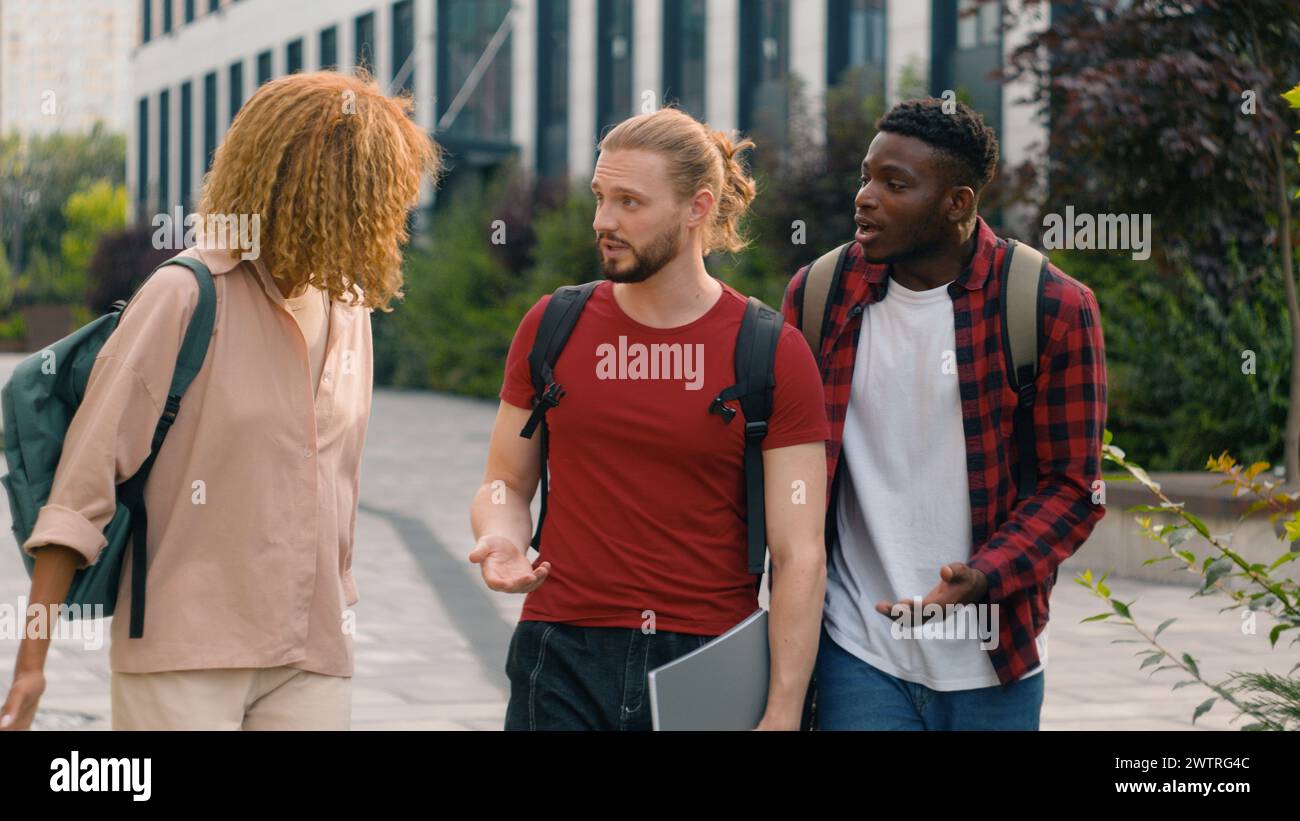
1174, 109
38, 174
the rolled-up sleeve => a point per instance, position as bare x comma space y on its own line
112, 431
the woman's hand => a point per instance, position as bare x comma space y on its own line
20, 705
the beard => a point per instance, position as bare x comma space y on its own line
645, 262
927, 238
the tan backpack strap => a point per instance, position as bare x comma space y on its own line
816, 295
1022, 309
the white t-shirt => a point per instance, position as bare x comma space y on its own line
903, 510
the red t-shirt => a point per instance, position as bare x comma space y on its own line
646, 510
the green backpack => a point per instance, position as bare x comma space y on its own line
39, 402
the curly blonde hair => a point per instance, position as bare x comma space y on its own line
698, 157
332, 167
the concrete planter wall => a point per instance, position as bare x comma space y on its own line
1118, 545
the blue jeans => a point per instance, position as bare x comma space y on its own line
565, 677
853, 695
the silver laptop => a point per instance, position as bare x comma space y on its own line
720, 686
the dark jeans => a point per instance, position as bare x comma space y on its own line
565, 677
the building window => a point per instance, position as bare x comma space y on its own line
764, 67
613, 63
364, 38
856, 40
293, 57
329, 49
167, 16
189, 11
966, 46
164, 151
146, 20
209, 118
552, 88
263, 68
142, 158
236, 88
685, 29
465, 32
187, 142
403, 33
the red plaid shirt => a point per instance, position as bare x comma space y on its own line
1018, 546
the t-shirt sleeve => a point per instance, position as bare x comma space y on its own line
798, 402
517, 386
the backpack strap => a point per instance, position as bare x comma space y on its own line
558, 319
1023, 277
194, 349
823, 279
760, 332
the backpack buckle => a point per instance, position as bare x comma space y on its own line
722, 409
170, 409
1027, 393
755, 430
550, 398
552, 395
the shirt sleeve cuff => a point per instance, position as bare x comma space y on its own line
57, 525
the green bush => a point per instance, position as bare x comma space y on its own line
1176, 358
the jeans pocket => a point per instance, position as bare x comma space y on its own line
521, 648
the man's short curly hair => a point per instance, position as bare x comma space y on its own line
967, 145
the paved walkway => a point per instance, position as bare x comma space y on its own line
431, 639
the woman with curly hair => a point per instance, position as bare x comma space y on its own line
252, 498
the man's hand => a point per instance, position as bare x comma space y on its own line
504, 566
959, 584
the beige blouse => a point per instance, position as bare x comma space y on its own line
252, 500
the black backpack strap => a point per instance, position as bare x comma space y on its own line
1022, 296
194, 349
558, 319
760, 332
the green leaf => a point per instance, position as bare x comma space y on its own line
1293, 97
1163, 625
1197, 523
1154, 658
1191, 662
1217, 570
1277, 631
1262, 601
1121, 608
1204, 708
1292, 530
1148, 509
1098, 617
1187, 683
1283, 559
1143, 477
